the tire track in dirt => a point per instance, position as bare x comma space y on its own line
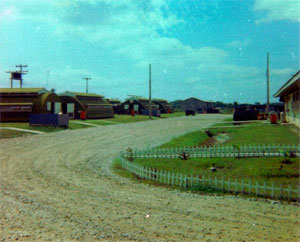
60, 186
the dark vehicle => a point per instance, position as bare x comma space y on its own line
245, 113
213, 110
189, 112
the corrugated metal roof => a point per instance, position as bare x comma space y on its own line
112, 100
23, 90
82, 94
288, 84
137, 98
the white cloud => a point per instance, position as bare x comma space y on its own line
285, 71
278, 10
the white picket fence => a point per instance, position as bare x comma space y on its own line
204, 182
218, 151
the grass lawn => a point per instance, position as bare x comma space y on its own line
267, 169
172, 115
243, 134
128, 118
260, 169
5, 133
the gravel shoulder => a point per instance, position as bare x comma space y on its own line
60, 187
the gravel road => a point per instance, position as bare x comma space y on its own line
60, 187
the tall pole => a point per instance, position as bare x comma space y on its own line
150, 101
268, 86
87, 83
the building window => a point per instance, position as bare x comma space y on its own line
126, 106
49, 106
70, 108
57, 107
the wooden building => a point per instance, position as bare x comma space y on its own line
140, 105
289, 94
196, 105
163, 105
93, 105
116, 105
16, 104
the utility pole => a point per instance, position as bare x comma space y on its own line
87, 83
21, 72
268, 86
150, 101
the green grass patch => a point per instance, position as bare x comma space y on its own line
260, 169
172, 115
129, 119
244, 134
264, 134
190, 139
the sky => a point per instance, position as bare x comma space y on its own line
212, 50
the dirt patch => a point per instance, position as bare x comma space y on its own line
215, 140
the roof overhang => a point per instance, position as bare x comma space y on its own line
292, 85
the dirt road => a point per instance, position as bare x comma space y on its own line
60, 187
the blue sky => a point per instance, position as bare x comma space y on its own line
212, 50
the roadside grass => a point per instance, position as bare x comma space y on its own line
25, 125
264, 134
100, 122
122, 118
277, 170
6, 133
226, 111
172, 115
271, 169
244, 134
190, 139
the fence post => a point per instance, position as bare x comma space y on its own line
191, 180
185, 182
256, 189
222, 183
242, 186
289, 192
180, 180
250, 187
172, 179
265, 189
272, 189
235, 186
281, 193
